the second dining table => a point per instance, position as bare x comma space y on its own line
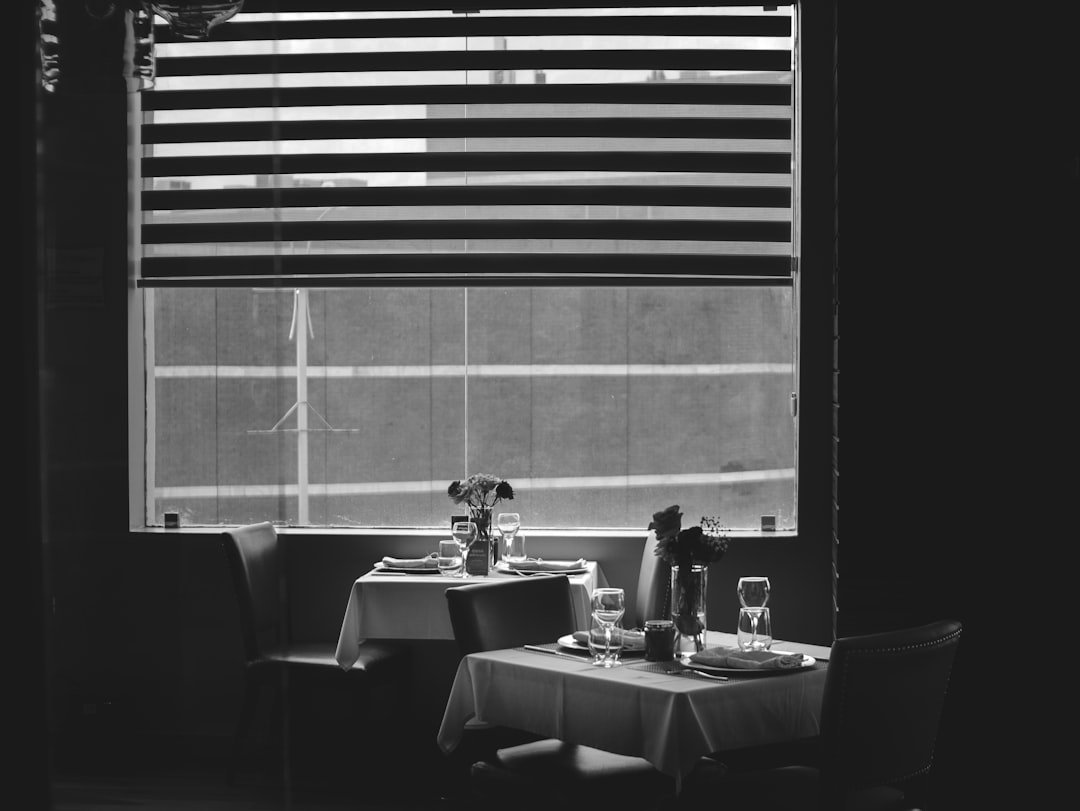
385, 605
653, 710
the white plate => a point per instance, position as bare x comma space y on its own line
382, 567
568, 641
807, 661
504, 567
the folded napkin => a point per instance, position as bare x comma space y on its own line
750, 659
536, 565
632, 640
429, 562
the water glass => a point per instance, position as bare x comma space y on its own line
755, 628
513, 543
605, 629
606, 651
513, 547
449, 559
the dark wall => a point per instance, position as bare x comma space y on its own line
26, 678
961, 177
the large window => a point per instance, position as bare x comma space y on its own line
382, 251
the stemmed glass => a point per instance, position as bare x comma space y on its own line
508, 525
754, 593
464, 533
608, 607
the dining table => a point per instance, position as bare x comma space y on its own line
661, 711
402, 605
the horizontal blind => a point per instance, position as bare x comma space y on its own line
318, 145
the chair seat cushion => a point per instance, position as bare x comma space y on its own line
562, 772
376, 658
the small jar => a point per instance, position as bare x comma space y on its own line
659, 640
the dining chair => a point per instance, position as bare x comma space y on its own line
542, 773
880, 716
272, 663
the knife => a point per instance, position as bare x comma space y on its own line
538, 649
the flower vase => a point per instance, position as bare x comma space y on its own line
689, 592
478, 559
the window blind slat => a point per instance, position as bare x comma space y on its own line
337, 6
495, 269
760, 60
480, 26
613, 127
470, 162
337, 196
469, 229
539, 94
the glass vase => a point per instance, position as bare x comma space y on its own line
478, 562
689, 593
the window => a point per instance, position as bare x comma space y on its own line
382, 251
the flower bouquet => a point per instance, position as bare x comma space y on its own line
480, 493
689, 553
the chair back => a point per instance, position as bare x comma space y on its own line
507, 613
252, 552
882, 707
654, 586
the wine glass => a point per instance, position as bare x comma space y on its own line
754, 592
608, 607
508, 525
464, 533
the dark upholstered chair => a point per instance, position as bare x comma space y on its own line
543, 773
271, 663
492, 614
882, 707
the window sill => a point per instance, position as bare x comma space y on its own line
387, 532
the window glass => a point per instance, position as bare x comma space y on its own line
357, 407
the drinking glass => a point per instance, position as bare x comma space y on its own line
513, 544
605, 635
754, 592
449, 559
464, 533
755, 628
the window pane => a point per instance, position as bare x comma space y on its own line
599, 405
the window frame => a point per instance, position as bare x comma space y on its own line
140, 330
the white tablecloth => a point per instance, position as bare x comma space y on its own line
407, 606
669, 720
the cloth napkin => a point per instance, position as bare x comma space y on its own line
632, 640
750, 659
534, 565
428, 562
